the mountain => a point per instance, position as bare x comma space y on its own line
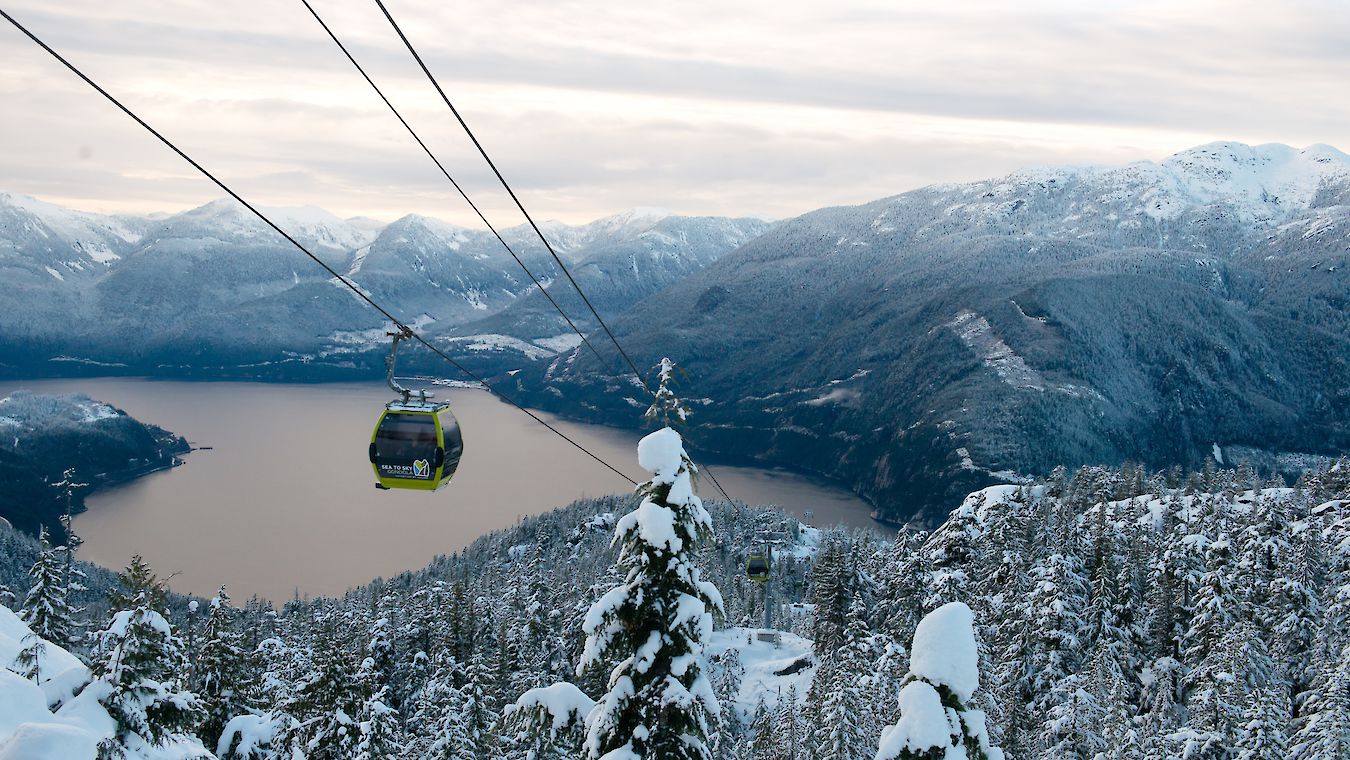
214, 291
641, 254
924, 345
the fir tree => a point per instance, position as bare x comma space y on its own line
659, 702
380, 736
139, 586
45, 609
1325, 729
327, 701
139, 663
1262, 735
842, 731
223, 677
944, 675
32, 658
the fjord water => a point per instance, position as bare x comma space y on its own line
284, 502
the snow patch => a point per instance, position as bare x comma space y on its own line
494, 342
559, 343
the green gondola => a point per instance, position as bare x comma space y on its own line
757, 568
417, 443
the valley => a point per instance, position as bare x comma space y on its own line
910, 349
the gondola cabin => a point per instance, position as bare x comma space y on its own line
416, 445
757, 568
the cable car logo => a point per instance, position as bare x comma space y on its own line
421, 468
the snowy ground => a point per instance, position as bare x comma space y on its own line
61, 718
762, 662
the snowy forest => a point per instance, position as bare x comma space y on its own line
1117, 613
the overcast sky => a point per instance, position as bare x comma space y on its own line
728, 107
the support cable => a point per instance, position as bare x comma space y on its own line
351, 286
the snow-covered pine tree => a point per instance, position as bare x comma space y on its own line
327, 700
45, 609
655, 623
380, 735
787, 726
139, 586
549, 722
1058, 600
1263, 734
951, 554
1325, 721
944, 675
843, 731
223, 677
1209, 645
32, 658
762, 740
830, 594
138, 669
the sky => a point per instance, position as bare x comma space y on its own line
765, 108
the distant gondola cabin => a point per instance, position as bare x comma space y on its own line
416, 445
757, 568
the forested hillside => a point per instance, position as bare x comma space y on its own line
1119, 614
919, 347
47, 442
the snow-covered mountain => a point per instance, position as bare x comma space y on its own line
214, 289
925, 344
647, 253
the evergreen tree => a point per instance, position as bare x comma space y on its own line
380, 735
223, 677
787, 727
831, 594
45, 609
1325, 729
139, 586
944, 675
951, 554
327, 700
138, 665
1213, 715
1262, 735
32, 658
842, 731
659, 702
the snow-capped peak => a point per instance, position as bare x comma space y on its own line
1271, 175
95, 230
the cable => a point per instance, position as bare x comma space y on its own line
397, 322
408, 44
443, 170
482, 151
440, 166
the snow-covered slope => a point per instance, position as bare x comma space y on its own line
216, 286
925, 344
61, 717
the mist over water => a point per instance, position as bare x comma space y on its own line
285, 501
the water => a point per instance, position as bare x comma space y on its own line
285, 501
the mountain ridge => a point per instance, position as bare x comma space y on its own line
953, 336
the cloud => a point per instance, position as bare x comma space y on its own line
768, 108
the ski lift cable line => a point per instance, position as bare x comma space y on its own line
363, 296
483, 151
452, 180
